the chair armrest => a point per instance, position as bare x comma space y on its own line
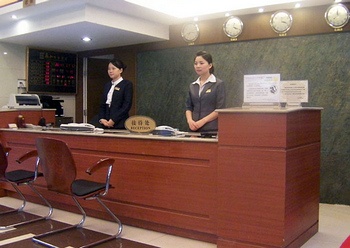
105, 162
26, 156
7, 150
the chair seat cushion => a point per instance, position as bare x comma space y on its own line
20, 176
83, 187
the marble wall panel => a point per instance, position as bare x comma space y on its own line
163, 78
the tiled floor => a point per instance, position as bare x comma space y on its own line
333, 230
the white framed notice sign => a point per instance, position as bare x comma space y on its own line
262, 88
294, 91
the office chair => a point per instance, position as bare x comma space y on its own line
58, 165
17, 178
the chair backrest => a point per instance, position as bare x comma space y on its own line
3, 161
57, 164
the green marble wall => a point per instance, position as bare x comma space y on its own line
163, 77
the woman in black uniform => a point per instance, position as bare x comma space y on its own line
206, 94
117, 97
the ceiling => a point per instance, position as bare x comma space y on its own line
60, 24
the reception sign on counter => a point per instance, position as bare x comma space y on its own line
140, 124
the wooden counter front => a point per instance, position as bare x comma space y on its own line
165, 184
268, 177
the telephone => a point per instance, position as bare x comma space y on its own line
78, 127
165, 131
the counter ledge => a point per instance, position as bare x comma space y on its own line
117, 134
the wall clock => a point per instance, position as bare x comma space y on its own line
190, 32
337, 15
233, 27
281, 21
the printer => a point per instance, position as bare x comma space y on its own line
24, 101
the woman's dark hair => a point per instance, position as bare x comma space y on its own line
207, 57
118, 63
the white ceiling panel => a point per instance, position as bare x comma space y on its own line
60, 24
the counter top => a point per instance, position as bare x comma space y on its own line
116, 134
24, 109
266, 110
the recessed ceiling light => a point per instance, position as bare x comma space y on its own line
14, 17
177, 9
261, 10
5, 53
297, 5
86, 39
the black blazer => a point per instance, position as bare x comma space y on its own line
212, 97
120, 105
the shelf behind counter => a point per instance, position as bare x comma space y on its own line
31, 116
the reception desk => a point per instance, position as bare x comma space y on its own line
257, 185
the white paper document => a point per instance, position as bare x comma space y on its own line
262, 88
294, 91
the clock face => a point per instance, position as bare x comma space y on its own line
281, 21
337, 15
233, 27
190, 32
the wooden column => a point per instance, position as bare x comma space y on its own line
268, 177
